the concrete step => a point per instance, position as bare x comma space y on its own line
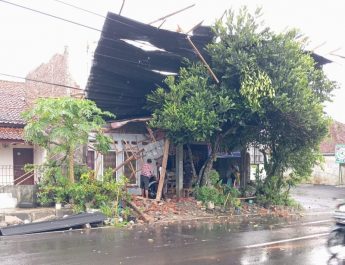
7, 201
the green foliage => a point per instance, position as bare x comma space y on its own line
60, 125
56, 123
106, 195
53, 187
209, 194
193, 109
214, 178
271, 94
217, 193
275, 191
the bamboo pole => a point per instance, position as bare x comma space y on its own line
123, 3
171, 14
203, 60
145, 217
130, 164
164, 167
126, 161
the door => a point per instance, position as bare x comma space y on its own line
21, 157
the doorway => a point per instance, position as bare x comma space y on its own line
21, 157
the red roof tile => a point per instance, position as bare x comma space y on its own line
7, 133
12, 102
336, 136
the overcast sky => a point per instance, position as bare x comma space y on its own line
28, 39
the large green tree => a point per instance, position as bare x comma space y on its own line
61, 125
270, 94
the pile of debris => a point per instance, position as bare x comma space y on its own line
170, 209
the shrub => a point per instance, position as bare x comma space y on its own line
217, 193
106, 195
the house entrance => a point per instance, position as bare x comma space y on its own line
21, 157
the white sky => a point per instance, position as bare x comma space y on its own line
28, 39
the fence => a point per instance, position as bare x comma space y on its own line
7, 176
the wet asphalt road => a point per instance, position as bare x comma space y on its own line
254, 242
297, 241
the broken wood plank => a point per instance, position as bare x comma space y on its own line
247, 198
151, 134
164, 166
145, 217
127, 161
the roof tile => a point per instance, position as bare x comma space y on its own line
8, 133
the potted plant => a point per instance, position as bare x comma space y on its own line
59, 197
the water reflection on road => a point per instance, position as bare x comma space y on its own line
186, 243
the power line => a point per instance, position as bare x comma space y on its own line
50, 15
67, 20
40, 81
80, 8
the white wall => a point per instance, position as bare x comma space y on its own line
6, 164
327, 173
153, 151
6, 160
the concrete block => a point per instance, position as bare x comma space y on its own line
13, 220
7, 202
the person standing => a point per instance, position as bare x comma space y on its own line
146, 173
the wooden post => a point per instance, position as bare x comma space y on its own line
179, 171
164, 167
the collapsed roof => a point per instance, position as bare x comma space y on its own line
124, 72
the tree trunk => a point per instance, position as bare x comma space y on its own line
245, 162
190, 154
208, 167
209, 162
71, 164
201, 173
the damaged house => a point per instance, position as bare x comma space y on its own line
130, 61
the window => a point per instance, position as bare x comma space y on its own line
90, 159
130, 168
109, 161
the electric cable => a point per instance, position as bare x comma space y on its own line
50, 15
41, 81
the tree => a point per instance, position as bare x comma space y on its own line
61, 125
270, 94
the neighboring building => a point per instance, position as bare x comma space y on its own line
15, 97
330, 172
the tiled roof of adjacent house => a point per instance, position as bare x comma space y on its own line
15, 97
9, 133
12, 102
336, 136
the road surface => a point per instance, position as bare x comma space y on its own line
251, 242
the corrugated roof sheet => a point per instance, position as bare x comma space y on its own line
123, 74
